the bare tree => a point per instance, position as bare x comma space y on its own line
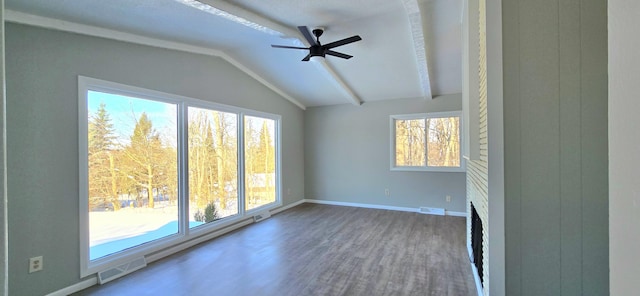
147, 160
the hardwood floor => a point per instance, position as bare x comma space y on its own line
317, 250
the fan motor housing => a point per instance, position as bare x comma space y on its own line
317, 50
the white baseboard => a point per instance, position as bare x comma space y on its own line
291, 205
455, 214
476, 275
374, 206
360, 205
75, 287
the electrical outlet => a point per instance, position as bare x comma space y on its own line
448, 198
386, 192
288, 191
35, 264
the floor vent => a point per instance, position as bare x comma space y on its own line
118, 271
261, 216
432, 211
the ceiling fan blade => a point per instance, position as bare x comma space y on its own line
305, 32
342, 42
306, 59
284, 46
338, 54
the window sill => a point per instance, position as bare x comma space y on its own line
460, 169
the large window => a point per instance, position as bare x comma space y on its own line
132, 161
157, 169
426, 142
213, 165
260, 164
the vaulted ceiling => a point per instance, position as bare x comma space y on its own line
409, 48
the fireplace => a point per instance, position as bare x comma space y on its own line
476, 241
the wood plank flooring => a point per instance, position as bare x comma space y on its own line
317, 250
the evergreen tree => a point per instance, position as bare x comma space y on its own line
101, 137
103, 178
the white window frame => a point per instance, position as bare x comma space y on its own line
278, 142
426, 167
85, 84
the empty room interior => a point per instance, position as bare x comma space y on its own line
379, 147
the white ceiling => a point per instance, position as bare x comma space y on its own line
386, 63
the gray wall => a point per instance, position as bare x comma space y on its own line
624, 144
347, 157
3, 200
555, 140
42, 68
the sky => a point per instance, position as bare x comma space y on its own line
125, 110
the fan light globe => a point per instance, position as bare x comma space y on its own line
316, 59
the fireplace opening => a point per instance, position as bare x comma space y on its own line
476, 241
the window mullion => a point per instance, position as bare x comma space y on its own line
278, 162
426, 142
241, 165
183, 169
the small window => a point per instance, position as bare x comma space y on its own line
426, 142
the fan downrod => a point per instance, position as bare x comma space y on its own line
317, 32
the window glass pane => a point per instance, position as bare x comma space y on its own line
213, 165
444, 142
260, 161
410, 142
132, 165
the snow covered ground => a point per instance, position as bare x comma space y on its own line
112, 232
128, 222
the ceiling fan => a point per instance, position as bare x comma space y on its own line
319, 50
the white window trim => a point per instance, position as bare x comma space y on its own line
89, 267
425, 168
